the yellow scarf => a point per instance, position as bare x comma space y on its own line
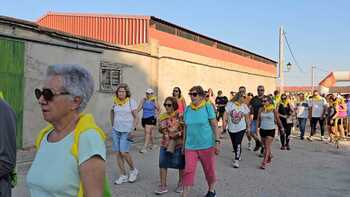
151, 98
269, 108
317, 98
202, 104
237, 103
119, 102
285, 102
164, 116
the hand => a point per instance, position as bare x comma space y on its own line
281, 131
131, 135
217, 149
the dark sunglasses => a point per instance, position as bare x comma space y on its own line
47, 94
168, 105
261, 90
194, 94
175, 91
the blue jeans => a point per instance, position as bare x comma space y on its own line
302, 124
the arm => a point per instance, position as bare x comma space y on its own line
278, 121
258, 120
214, 125
7, 139
92, 174
139, 108
112, 117
136, 118
225, 121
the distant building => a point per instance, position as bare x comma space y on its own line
141, 51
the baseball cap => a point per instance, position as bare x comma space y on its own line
149, 91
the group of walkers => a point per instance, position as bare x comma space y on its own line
190, 134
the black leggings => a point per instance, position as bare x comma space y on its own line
236, 139
287, 131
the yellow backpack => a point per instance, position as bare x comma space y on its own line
85, 123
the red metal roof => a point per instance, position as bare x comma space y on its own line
115, 29
133, 30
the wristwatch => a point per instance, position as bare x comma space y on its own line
217, 141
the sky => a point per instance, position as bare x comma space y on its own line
318, 31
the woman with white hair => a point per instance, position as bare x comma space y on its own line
71, 153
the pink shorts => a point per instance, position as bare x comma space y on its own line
207, 159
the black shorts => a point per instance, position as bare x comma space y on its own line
269, 132
148, 121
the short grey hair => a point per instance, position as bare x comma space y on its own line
77, 81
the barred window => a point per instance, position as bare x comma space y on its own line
110, 76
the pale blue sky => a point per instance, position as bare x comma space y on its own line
318, 30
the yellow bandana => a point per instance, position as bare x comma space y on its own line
317, 98
269, 107
151, 98
119, 102
202, 104
164, 116
285, 102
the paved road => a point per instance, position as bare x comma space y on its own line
309, 169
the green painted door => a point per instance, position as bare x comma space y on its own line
12, 78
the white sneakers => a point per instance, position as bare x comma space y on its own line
123, 178
250, 146
133, 175
236, 164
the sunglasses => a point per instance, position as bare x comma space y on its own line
264, 101
261, 90
47, 94
175, 91
168, 105
194, 94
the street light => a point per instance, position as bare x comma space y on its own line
289, 66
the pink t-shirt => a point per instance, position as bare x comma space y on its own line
181, 104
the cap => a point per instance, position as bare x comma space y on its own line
149, 91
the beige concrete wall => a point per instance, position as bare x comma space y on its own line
176, 72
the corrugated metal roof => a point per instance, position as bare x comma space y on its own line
131, 32
115, 29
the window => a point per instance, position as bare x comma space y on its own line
110, 76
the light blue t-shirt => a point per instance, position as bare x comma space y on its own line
54, 171
199, 133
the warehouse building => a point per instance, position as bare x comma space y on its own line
139, 50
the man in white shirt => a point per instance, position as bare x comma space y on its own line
318, 106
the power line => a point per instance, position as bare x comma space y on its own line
291, 52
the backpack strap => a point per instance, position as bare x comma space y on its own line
41, 136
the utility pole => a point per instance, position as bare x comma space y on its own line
312, 77
281, 58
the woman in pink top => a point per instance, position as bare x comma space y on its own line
180, 100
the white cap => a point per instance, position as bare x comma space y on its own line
149, 91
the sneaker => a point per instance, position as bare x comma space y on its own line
143, 150
322, 138
283, 148
179, 189
154, 146
250, 146
257, 146
133, 175
288, 147
122, 179
309, 138
236, 164
211, 194
161, 190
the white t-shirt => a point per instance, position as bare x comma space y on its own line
318, 107
302, 109
123, 119
235, 115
